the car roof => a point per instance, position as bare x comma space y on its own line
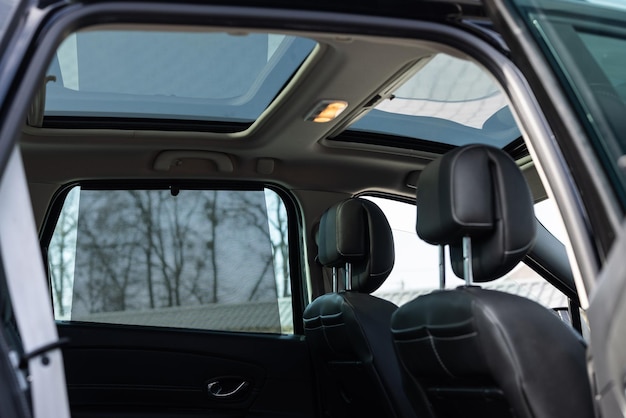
278, 145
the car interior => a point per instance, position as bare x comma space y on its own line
227, 213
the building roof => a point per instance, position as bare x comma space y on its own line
276, 317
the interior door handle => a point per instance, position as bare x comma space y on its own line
218, 390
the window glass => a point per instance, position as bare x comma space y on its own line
548, 214
585, 42
207, 259
448, 100
171, 73
416, 270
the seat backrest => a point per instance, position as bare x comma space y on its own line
478, 352
349, 331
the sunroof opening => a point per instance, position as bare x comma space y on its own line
449, 101
171, 74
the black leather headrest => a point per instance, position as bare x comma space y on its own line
477, 191
356, 231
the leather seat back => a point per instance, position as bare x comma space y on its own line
349, 331
478, 352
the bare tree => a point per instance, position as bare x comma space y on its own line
213, 217
270, 219
279, 235
150, 249
107, 251
61, 255
144, 205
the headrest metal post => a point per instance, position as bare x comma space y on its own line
467, 261
442, 267
335, 284
348, 276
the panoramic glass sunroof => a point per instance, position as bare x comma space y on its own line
450, 101
172, 75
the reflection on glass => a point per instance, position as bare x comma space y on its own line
180, 258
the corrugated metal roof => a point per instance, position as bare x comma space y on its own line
249, 317
276, 317
535, 289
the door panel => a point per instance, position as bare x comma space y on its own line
607, 319
135, 371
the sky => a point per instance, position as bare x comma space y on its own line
417, 264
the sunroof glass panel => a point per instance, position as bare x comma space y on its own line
200, 76
450, 101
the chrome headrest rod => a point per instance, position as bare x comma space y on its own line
442, 267
348, 276
467, 261
335, 284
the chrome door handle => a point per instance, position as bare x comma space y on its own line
216, 389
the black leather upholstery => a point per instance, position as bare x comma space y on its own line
477, 191
356, 231
349, 332
478, 352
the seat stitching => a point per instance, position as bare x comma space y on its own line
443, 366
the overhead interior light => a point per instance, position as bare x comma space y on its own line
327, 110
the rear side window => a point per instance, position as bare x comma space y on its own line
205, 259
416, 269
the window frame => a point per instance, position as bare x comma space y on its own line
94, 108
560, 30
572, 175
296, 273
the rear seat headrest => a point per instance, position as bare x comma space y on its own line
477, 191
356, 231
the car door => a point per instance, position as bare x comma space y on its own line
176, 299
572, 53
32, 378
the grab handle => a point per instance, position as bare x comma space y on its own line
217, 389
